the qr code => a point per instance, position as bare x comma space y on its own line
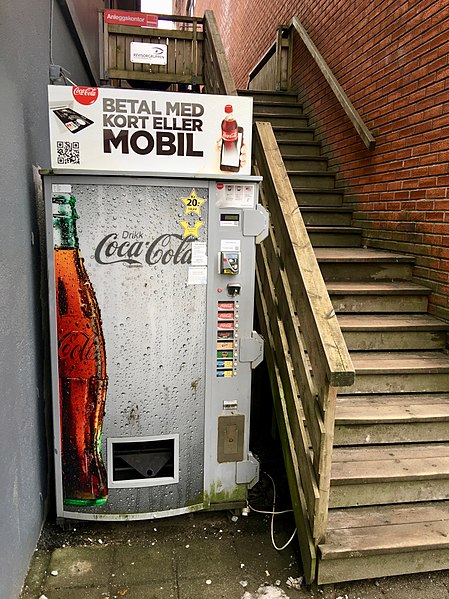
68, 152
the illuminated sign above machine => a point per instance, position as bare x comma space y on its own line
130, 130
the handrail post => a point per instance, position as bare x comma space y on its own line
278, 80
290, 58
194, 53
283, 59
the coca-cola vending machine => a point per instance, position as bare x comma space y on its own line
151, 294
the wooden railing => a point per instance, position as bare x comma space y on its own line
217, 74
184, 51
195, 54
279, 73
306, 353
273, 71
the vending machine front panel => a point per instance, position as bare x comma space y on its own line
143, 434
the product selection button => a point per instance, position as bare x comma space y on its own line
225, 345
225, 334
226, 315
226, 305
224, 373
225, 354
224, 363
225, 325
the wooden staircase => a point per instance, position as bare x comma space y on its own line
389, 493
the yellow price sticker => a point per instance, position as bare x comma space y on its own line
193, 203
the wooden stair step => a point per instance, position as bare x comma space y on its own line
390, 463
378, 296
404, 362
326, 215
382, 474
300, 147
391, 322
294, 133
304, 178
378, 419
373, 409
363, 264
316, 196
376, 288
275, 106
335, 236
283, 120
399, 372
269, 95
360, 255
384, 541
374, 332
303, 162
347, 529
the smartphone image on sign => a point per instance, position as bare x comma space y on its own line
230, 154
71, 119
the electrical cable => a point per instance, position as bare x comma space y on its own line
253, 509
273, 513
63, 73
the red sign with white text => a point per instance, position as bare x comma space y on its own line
133, 19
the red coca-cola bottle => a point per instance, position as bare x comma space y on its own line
81, 364
229, 129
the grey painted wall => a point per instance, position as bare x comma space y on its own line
24, 60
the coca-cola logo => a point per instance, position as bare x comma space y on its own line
168, 247
76, 345
85, 95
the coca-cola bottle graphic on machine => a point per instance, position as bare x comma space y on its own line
231, 142
81, 364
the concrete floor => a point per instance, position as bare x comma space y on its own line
199, 556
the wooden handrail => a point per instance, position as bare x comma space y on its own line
283, 81
345, 102
217, 74
263, 61
314, 298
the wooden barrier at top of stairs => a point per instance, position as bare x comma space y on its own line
195, 54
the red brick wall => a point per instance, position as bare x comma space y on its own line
391, 59
247, 28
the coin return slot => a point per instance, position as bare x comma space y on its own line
144, 463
